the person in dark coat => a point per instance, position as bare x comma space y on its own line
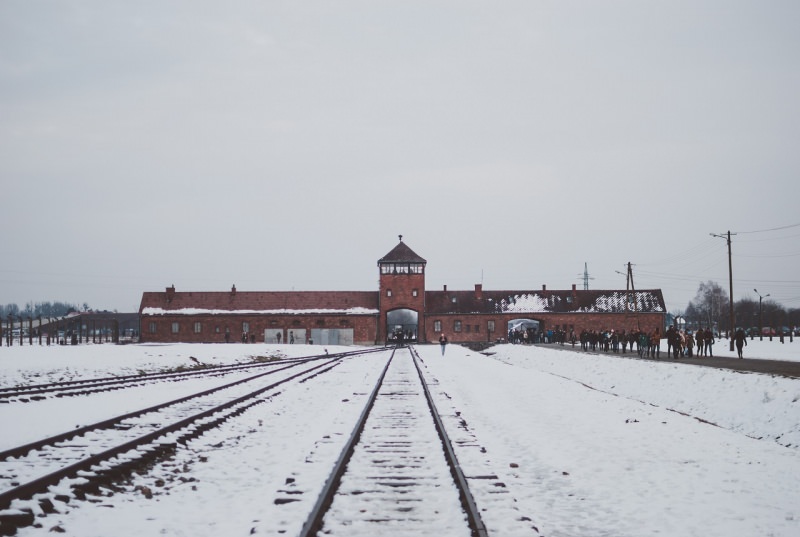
741, 341
709, 341
699, 339
443, 342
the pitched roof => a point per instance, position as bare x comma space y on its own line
261, 302
560, 301
401, 254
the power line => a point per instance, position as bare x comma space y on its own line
768, 230
768, 256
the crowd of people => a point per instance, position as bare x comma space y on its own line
680, 343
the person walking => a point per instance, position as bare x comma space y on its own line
655, 341
700, 340
741, 341
443, 342
670, 334
709, 340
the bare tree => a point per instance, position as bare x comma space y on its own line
710, 305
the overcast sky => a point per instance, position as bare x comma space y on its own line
286, 145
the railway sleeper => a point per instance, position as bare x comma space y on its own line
13, 519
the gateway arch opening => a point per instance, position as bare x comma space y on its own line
523, 331
402, 326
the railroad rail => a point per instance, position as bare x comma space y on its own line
99, 454
36, 392
398, 473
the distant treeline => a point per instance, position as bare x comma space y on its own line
41, 309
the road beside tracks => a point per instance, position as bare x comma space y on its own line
748, 365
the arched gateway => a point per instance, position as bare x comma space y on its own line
523, 331
402, 325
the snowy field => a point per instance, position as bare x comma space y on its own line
586, 445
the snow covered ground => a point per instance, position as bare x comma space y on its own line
586, 445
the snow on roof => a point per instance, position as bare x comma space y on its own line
560, 301
202, 311
583, 302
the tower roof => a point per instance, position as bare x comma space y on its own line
401, 254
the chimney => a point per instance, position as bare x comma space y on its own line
574, 292
170, 293
445, 288
544, 287
233, 290
479, 291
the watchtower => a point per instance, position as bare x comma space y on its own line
401, 299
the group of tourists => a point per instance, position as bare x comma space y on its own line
683, 343
533, 335
680, 343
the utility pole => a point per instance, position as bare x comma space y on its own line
629, 284
730, 279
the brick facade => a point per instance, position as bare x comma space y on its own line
464, 316
206, 328
475, 327
401, 286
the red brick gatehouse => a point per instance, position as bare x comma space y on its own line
401, 305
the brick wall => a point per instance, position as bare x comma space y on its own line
474, 327
213, 327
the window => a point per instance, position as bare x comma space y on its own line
467, 328
216, 329
175, 328
477, 328
402, 268
457, 326
453, 300
197, 327
152, 327
245, 326
414, 293
490, 326
388, 292
437, 326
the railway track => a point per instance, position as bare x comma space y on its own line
37, 392
398, 473
85, 459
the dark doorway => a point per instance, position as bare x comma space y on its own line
402, 326
524, 331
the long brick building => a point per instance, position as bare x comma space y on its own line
401, 305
